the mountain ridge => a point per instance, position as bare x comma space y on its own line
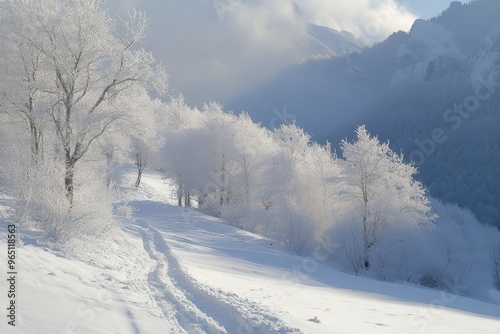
403, 89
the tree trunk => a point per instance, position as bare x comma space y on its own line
366, 243
366, 260
109, 164
201, 200
223, 181
36, 138
139, 175
68, 182
179, 196
141, 164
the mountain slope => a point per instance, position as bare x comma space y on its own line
341, 43
175, 270
442, 77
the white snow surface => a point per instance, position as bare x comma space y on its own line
428, 42
175, 270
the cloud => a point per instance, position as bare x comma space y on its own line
219, 48
370, 20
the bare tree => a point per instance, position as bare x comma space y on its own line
91, 68
21, 64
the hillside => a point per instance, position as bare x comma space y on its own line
175, 270
442, 75
125, 209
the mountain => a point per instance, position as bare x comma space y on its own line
340, 43
434, 92
324, 94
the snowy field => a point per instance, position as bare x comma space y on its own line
174, 270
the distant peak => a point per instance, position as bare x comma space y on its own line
339, 42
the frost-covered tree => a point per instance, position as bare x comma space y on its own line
322, 174
219, 150
147, 137
76, 84
85, 65
286, 187
21, 89
181, 126
255, 148
381, 188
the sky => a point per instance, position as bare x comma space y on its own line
426, 9
218, 49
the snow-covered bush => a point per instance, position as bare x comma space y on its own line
42, 204
125, 211
345, 237
464, 249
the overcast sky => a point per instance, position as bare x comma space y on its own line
220, 48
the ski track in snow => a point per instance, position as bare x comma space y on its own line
196, 308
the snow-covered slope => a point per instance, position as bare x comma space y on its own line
341, 43
486, 63
430, 51
175, 270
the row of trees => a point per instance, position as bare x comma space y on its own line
364, 207
74, 96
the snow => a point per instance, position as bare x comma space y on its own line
176, 270
428, 42
486, 61
438, 39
